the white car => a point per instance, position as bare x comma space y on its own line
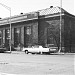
36, 49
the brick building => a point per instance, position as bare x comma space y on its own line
41, 27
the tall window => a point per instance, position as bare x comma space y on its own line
28, 31
27, 35
16, 36
7, 37
50, 38
0, 37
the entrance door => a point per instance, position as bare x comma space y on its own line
16, 37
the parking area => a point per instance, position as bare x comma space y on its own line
19, 63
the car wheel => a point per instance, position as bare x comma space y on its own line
26, 51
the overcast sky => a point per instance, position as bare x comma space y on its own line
25, 6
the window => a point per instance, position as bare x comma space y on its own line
0, 37
7, 34
0, 34
27, 35
28, 31
7, 37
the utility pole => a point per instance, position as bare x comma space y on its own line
60, 26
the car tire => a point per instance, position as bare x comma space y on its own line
26, 51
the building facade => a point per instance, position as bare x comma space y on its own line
40, 28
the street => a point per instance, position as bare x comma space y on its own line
23, 64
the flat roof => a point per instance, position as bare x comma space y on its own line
32, 15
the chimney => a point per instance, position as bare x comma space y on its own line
51, 6
21, 13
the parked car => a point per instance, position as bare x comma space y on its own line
36, 49
12, 48
2, 50
53, 49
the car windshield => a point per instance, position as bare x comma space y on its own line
36, 46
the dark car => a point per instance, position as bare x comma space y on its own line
2, 50
12, 48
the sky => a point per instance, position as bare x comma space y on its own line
25, 6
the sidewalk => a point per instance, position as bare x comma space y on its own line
18, 52
70, 53
21, 52
15, 52
63, 53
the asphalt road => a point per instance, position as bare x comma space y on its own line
23, 64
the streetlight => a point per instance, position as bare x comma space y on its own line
10, 21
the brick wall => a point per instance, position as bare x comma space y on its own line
33, 39
53, 25
69, 35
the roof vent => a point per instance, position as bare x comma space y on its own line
21, 13
51, 6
